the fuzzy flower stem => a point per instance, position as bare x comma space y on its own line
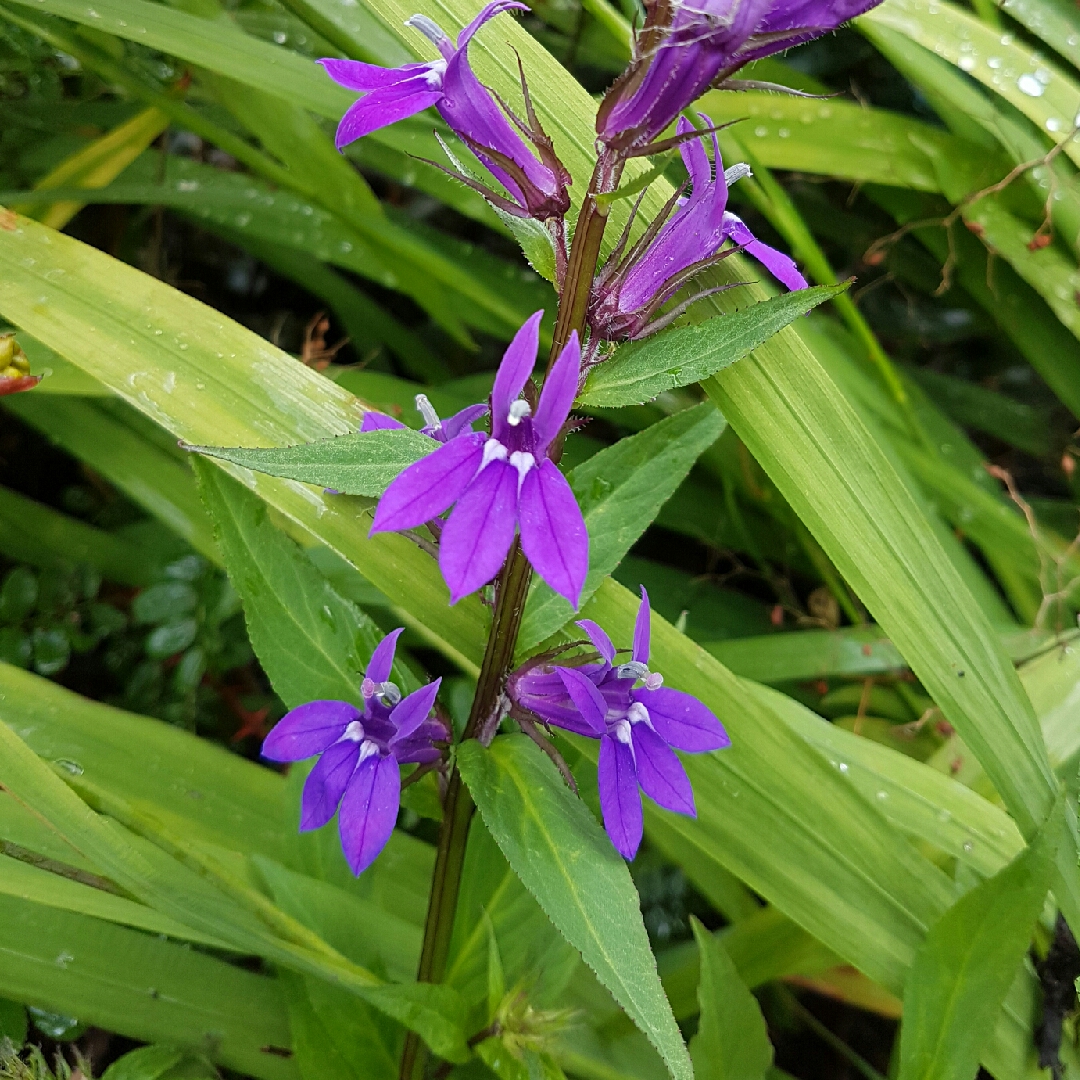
584, 254
511, 589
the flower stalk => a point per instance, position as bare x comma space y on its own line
511, 590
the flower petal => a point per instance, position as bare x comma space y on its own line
619, 799
369, 810
642, 629
411, 712
377, 421
308, 730
461, 421
383, 107
382, 657
776, 262
695, 159
553, 532
429, 486
660, 772
560, 389
598, 636
682, 721
489, 11
326, 784
586, 697
517, 364
355, 75
479, 532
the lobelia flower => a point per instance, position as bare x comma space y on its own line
637, 727
684, 48
502, 482
632, 287
360, 754
537, 188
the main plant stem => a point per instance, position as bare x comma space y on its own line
511, 589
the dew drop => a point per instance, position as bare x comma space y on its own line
1028, 84
967, 63
280, 37
761, 131
993, 62
1053, 124
243, 219
843, 766
882, 796
969, 847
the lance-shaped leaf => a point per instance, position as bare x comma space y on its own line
566, 861
621, 490
637, 373
732, 1041
969, 959
362, 463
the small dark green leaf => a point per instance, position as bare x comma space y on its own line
964, 969
637, 373
171, 638
18, 595
732, 1041
52, 650
162, 603
356, 464
621, 490
565, 860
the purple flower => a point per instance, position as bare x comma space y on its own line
632, 287
684, 48
441, 431
537, 187
360, 753
502, 483
637, 727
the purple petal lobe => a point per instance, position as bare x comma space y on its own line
682, 721
383, 107
560, 389
660, 772
377, 421
516, 367
642, 629
369, 810
411, 712
382, 657
694, 158
776, 262
619, 799
326, 784
553, 533
479, 532
308, 730
601, 642
461, 421
489, 11
586, 697
354, 75
429, 486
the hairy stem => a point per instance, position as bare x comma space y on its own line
511, 590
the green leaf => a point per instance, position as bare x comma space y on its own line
638, 373
144, 987
211, 795
311, 642
356, 464
621, 490
732, 1041
146, 1063
964, 969
34, 533
567, 862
